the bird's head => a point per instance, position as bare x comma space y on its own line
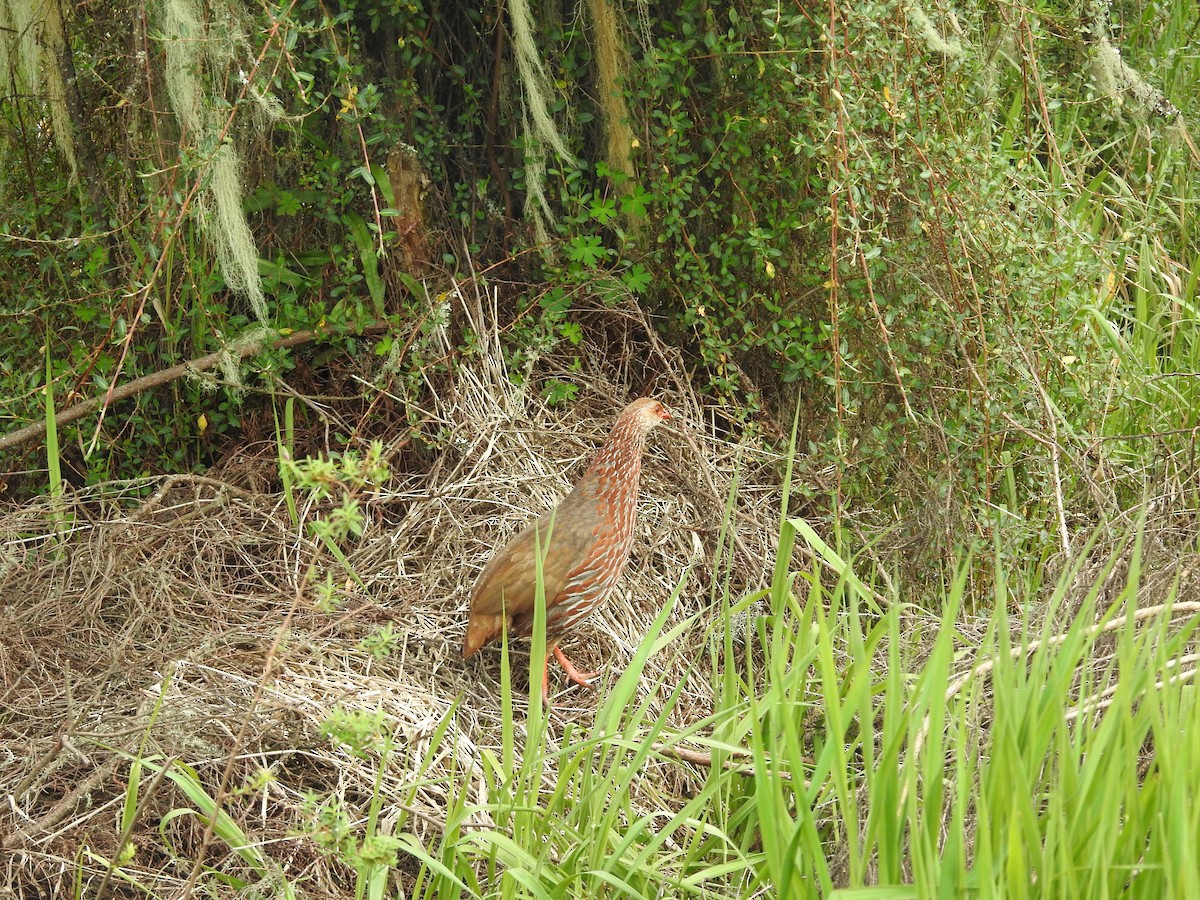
645, 413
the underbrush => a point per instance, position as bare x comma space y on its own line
827, 735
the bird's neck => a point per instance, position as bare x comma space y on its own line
617, 467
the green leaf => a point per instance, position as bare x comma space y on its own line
586, 249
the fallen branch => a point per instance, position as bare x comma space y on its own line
138, 385
700, 758
59, 811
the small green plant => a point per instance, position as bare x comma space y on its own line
380, 643
345, 477
359, 731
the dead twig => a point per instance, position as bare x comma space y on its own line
701, 758
156, 379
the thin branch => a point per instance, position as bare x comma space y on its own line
156, 379
700, 758
61, 809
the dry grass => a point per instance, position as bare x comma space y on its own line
147, 626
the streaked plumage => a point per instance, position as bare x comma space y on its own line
590, 534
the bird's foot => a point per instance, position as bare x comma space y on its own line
583, 679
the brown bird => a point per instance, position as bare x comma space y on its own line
585, 542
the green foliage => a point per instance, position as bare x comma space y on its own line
914, 235
334, 833
907, 222
361, 732
120, 301
732, 199
856, 228
381, 643
345, 477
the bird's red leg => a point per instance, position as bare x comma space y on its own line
573, 674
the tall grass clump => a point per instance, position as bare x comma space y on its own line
1006, 754
864, 747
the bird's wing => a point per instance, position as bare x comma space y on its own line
507, 585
